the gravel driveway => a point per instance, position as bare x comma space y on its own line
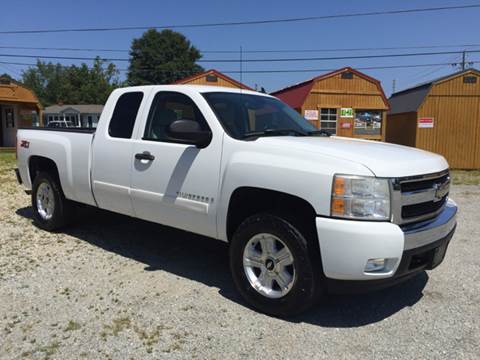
112, 287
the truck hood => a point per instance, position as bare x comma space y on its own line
383, 159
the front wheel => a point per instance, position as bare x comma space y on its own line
271, 266
51, 210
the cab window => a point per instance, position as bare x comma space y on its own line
124, 115
166, 108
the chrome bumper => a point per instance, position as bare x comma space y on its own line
426, 232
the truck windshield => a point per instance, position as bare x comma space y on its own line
245, 116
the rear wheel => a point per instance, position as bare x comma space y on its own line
271, 266
51, 210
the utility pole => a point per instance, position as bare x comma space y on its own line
241, 64
463, 60
393, 86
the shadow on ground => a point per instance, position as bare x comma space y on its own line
206, 260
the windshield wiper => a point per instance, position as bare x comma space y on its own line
274, 132
319, 132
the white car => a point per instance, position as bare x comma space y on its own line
304, 214
60, 124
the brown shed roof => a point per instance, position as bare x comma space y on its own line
217, 74
409, 100
15, 91
295, 95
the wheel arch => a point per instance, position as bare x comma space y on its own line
37, 164
247, 201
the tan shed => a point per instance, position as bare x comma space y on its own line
213, 77
345, 102
442, 116
18, 107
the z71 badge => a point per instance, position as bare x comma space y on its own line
25, 144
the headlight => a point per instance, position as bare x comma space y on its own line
360, 197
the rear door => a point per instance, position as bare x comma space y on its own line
112, 150
172, 183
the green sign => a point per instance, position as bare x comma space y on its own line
346, 112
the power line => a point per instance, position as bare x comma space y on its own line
462, 46
333, 69
338, 57
83, 49
396, 55
337, 49
425, 73
385, 67
244, 23
17, 63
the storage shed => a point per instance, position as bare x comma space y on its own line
345, 102
442, 116
213, 77
19, 106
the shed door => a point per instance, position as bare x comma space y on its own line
9, 126
345, 122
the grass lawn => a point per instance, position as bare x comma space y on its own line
7, 164
7, 160
465, 177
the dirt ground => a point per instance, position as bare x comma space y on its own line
112, 287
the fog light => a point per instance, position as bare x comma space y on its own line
375, 265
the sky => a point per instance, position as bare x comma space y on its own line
456, 27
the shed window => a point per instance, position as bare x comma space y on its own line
368, 122
328, 120
469, 79
347, 75
212, 78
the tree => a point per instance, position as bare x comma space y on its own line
55, 83
162, 58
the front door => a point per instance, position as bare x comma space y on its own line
173, 183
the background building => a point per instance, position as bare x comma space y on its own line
345, 102
78, 115
442, 116
213, 77
18, 107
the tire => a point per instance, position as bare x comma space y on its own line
303, 277
51, 210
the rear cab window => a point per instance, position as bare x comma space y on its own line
124, 115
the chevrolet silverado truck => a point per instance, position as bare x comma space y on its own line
304, 214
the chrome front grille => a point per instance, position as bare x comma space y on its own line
420, 197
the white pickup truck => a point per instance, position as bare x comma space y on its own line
304, 214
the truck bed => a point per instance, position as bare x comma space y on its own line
69, 148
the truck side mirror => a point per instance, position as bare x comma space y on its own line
189, 132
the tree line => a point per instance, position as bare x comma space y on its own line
155, 58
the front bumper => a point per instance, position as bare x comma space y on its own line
347, 245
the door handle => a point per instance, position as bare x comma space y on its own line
144, 156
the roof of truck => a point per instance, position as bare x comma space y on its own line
199, 88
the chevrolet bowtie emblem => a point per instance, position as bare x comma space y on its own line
441, 190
